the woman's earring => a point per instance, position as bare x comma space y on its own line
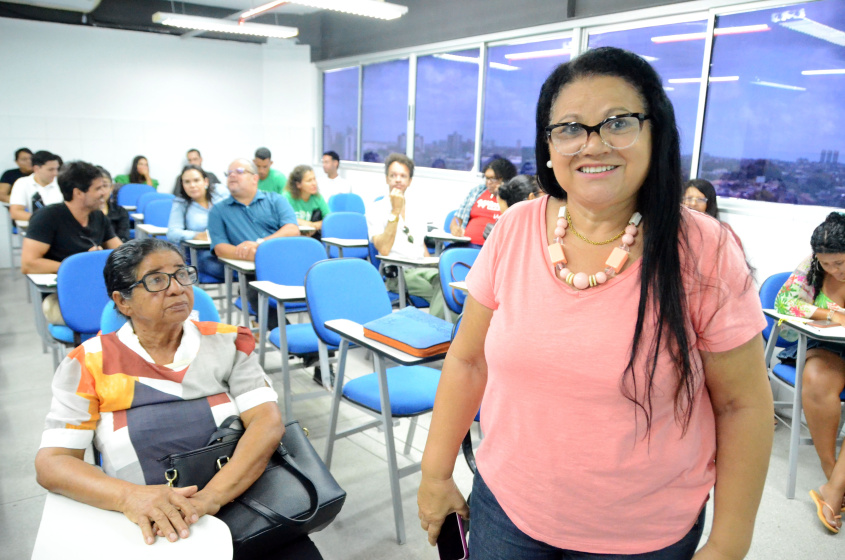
549, 164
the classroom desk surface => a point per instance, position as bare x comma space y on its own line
402, 263
342, 244
243, 268
147, 230
41, 284
440, 237
462, 286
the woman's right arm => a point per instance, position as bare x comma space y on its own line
176, 228
458, 399
65, 472
796, 295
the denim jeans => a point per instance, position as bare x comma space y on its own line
494, 537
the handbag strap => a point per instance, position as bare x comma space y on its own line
309, 485
225, 431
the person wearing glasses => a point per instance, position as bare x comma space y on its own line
481, 206
700, 195
611, 339
161, 384
239, 224
397, 228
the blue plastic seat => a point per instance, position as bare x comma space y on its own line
82, 295
111, 320
146, 198
157, 211
346, 202
128, 194
454, 266
346, 225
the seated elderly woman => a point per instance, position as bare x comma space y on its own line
159, 385
816, 290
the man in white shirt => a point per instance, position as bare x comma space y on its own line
334, 183
398, 231
37, 190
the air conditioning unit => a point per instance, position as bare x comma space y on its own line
83, 6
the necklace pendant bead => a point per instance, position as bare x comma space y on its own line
601, 277
628, 239
636, 219
617, 259
556, 253
559, 231
631, 230
562, 212
581, 281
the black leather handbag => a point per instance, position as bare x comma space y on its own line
296, 495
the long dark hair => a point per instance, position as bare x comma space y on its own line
828, 237
179, 190
134, 176
709, 191
295, 179
659, 201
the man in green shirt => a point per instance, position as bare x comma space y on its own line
269, 180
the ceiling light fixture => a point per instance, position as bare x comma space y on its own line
698, 80
832, 71
378, 9
539, 54
776, 85
261, 9
473, 60
716, 32
817, 30
225, 26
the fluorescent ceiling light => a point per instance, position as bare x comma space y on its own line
698, 80
371, 8
823, 72
473, 60
539, 54
776, 85
224, 26
817, 30
667, 88
718, 31
261, 9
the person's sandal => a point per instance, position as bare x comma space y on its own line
820, 505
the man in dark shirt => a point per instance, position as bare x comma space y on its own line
23, 159
195, 158
58, 231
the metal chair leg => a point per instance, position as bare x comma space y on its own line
392, 465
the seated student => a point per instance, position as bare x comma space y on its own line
140, 174
195, 158
77, 225
398, 230
480, 206
170, 368
117, 214
242, 222
194, 197
23, 160
269, 179
37, 190
700, 195
521, 187
334, 183
304, 196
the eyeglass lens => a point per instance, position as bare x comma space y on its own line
615, 132
160, 281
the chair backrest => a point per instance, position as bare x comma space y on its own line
768, 291
286, 260
82, 290
146, 198
128, 194
157, 211
448, 223
111, 320
346, 202
346, 225
344, 289
454, 266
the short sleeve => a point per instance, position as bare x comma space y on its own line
41, 227
724, 307
74, 410
482, 276
216, 227
376, 218
18, 194
323, 205
248, 383
284, 210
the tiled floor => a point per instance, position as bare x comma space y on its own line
364, 530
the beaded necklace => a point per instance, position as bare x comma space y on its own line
614, 262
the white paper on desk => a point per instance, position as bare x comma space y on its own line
71, 530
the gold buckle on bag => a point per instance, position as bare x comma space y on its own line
171, 475
222, 461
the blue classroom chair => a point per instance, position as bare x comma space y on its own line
111, 320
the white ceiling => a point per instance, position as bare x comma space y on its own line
240, 5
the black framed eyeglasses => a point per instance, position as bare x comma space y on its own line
617, 132
160, 281
236, 171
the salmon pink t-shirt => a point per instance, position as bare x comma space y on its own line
565, 452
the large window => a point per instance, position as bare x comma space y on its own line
446, 105
515, 74
676, 51
340, 112
771, 123
384, 121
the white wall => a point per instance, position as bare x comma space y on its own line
105, 95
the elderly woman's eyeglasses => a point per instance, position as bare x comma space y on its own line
160, 281
237, 171
617, 132
694, 200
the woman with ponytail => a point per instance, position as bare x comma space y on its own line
816, 290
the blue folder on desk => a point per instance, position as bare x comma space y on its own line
412, 331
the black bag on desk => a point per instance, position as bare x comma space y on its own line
296, 495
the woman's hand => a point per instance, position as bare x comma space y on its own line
436, 499
838, 316
202, 236
168, 509
709, 552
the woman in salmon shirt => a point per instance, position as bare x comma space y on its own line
601, 435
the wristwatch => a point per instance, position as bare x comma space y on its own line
393, 218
